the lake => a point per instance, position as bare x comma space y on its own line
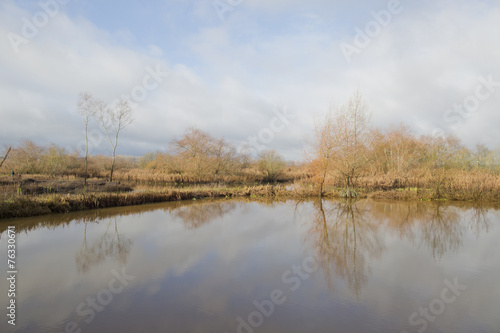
257, 266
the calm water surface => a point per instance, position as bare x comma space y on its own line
237, 266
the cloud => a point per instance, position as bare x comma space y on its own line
228, 77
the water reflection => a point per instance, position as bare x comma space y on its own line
436, 226
113, 245
196, 215
110, 245
200, 265
194, 212
345, 235
441, 231
344, 241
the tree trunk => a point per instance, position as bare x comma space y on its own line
114, 156
86, 157
112, 167
5, 157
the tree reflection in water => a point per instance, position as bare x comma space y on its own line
112, 245
441, 231
197, 214
436, 226
344, 241
109, 245
347, 235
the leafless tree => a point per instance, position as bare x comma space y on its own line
225, 159
194, 148
352, 122
87, 108
272, 164
204, 155
341, 142
113, 119
322, 150
5, 157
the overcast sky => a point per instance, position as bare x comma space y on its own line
243, 68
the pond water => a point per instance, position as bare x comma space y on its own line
247, 266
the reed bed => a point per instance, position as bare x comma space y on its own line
453, 185
246, 176
26, 199
23, 206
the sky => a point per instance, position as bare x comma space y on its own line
256, 72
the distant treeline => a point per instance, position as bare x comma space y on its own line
345, 152
196, 156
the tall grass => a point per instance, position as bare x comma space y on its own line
18, 200
245, 176
460, 185
22, 206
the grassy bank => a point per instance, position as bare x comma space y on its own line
453, 186
24, 206
38, 196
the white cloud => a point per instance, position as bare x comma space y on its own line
236, 72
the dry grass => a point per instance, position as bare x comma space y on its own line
23, 206
36, 196
444, 185
38, 186
245, 176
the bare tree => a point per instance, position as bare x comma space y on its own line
225, 157
5, 157
204, 155
29, 157
113, 120
273, 165
482, 156
194, 149
442, 155
323, 150
352, 121
87, 108
342, 143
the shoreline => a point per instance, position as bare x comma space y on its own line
43, 204
28, 206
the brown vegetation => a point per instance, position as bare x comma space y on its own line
22, 206
348, 154
347, 158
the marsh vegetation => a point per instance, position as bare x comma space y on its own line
346, 157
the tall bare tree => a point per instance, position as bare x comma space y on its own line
342, 141
323, 150
113, 119
87, 108
352, 121
5, 157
